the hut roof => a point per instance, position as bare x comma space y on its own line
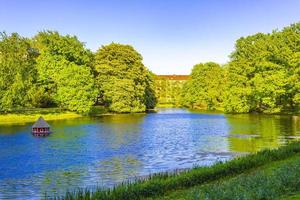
41, 123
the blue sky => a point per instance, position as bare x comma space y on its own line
171, 35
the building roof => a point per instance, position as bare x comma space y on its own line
41, 123
172, 77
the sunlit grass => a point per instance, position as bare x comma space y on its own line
31, 115
23, 118
268, 182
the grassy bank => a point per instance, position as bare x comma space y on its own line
23, 118
159, 185
272, 181
31, 115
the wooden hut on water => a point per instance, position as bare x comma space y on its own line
41, 128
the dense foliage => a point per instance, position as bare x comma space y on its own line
205, 87
124, 83
17, 74
52, 70
64, 73
263, 75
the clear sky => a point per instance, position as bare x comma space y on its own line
171, 35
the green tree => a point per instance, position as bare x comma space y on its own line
124, 97
205, 87
75, 90
150, 98
17, 72
115, 62
57, 54
262, 73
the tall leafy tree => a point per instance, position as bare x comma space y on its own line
115, 62
262, 73
205, 87
75, 88
17, 72
57, 54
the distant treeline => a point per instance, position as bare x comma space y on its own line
51, 70
263, 75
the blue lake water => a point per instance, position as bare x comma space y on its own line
106, 150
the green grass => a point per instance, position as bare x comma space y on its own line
31, 115
266, 183
158, 185
291, 197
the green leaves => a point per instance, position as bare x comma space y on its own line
75, 90
17, 74
124, 83
48, 70
56, 70
204, 89
64, 71
262, 73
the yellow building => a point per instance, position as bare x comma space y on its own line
168, 88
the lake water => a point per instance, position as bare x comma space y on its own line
107, 150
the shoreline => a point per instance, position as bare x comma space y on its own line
160, 185
50, 114
10, 119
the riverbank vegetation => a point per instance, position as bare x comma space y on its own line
158, 185
31, 115
52, 70
205, 88
13, 118
263, 75
268, 182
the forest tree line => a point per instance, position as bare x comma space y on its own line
52, 70
263, 75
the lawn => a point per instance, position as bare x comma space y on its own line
272, 181
31, 115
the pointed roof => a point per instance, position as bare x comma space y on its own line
41, 123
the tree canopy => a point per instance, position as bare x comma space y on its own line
205, 87
263, 74
17, 72
124, 83
50, 69
57, 70
64, 71
47, 70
